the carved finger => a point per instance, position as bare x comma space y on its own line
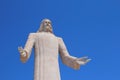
83, 58
20, 49
88, 60
81, 62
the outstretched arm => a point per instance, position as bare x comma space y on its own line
68, 60
26, 52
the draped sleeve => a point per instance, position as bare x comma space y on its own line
28, 47
65, 57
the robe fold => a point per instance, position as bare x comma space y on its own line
47, 47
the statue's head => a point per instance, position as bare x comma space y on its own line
45, 26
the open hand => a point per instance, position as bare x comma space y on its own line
83, 60
22, 51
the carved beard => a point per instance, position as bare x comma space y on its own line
47, 28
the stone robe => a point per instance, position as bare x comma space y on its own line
47, 47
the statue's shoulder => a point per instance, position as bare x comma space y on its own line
32, 34
59, 38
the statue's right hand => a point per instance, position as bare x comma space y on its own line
22, 51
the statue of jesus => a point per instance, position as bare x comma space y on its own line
47, 47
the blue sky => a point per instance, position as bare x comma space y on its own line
88, 27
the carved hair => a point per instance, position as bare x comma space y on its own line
41, 29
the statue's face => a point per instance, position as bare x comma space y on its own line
46, 23
47, 27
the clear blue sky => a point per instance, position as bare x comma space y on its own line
88, 27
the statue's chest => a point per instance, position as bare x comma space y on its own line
47, 44
47, 39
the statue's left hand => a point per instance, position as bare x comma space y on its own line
83, 60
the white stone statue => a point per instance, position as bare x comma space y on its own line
47, 48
